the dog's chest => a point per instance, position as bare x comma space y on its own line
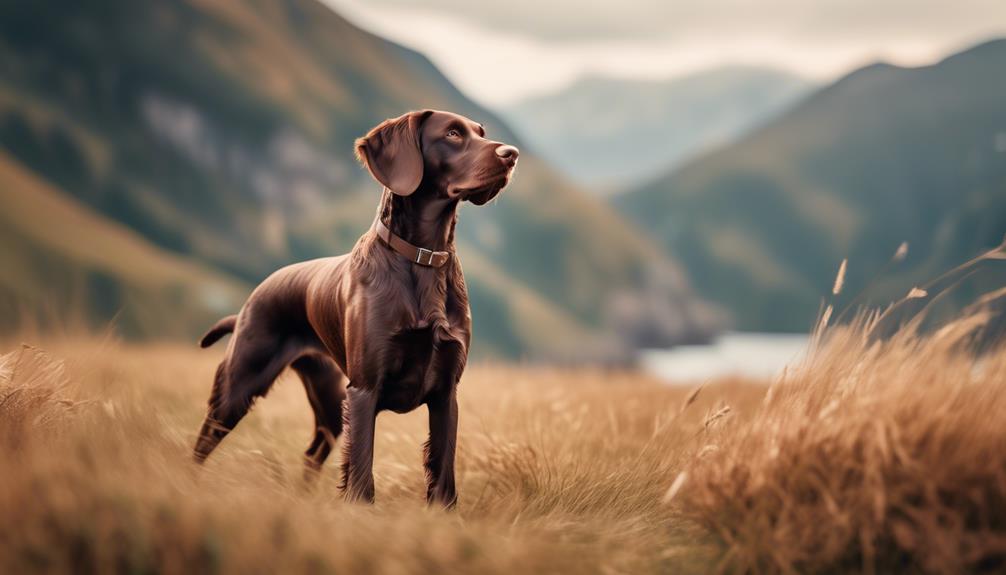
415, 338
425, 362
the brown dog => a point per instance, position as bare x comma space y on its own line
392, 315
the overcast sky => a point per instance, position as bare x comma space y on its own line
501, 51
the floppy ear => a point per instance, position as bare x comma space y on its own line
392, 154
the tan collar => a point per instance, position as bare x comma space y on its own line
421, 256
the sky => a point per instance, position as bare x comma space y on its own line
500, 52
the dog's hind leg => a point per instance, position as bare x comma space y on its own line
323, 383
247, 374
212, 431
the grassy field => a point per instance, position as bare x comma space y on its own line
865, 458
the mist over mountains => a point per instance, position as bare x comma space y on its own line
609, 133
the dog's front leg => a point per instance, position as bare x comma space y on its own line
360, 414
439, 460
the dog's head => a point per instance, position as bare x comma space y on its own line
441, 152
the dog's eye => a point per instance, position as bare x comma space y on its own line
453, 134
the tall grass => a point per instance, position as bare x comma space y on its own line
559, 471
879, 457
871, 455
884, 451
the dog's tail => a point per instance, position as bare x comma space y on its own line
219, 329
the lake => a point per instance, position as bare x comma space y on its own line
757, 355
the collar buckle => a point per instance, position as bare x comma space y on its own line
424, 254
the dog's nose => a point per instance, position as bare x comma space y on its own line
508, 154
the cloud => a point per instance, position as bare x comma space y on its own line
574, 20
501, 52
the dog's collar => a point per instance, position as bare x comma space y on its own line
421, 256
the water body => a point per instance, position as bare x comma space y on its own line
756, 355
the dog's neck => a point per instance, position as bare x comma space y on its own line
421, 219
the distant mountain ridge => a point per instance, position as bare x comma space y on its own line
610, 133
221, 132
883, 155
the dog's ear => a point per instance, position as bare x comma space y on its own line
392, 153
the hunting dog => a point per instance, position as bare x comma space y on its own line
391, 316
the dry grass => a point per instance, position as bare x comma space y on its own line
869, 457
874, 457
558, 471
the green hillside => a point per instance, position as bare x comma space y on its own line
67, 269
884, 155
222, 131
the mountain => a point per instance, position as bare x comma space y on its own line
883, 156
76, 269
609, 133
221, 132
